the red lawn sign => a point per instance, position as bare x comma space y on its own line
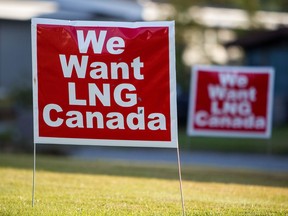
231, 101
104, 83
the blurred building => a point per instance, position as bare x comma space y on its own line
15, 29
212, 37
205, 43
16, 58
210, 28
269, 48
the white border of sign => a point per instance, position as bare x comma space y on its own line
173, 106
193, 88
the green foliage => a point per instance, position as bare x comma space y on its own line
184, 22
248, 5
277, 144
72, 187
6, 137
22, 97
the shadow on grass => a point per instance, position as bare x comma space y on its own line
62, 164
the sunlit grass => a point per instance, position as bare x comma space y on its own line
72, 187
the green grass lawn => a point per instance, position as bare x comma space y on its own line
76, 187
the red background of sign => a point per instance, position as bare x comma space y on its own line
260, 81
150, 43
